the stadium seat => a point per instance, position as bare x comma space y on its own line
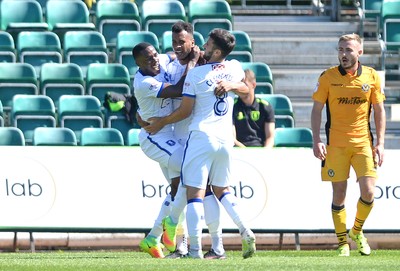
264, 78
115, 16
243, 51
101, 137
37, 48
103, 78
119, 121
166, 42
1, 114
61, 79
21, 15
159, 16
390, 23
126, 40
11, 136
133, 137
54, 136
16, 78
284, 114
84, 48
293, 137
210, 14
7, 47
31, 111
77, 112
67, 15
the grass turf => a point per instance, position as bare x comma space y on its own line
264, 260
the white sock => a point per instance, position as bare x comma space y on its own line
181, 234
212, 218
165, 210
229, 201
178, 204
194, 218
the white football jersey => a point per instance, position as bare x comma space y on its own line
146, 91
211, 114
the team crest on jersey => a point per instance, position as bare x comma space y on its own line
217, 67
316, 87
331, 172
365, 87
153, 87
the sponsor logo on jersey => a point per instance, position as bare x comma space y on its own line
352, 100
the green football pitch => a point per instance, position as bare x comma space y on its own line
308, 260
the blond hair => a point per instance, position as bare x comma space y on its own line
349, 37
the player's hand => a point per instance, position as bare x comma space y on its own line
195, 54
222, 87
378, 155
201, 60
140, 121
156, 124
319, 150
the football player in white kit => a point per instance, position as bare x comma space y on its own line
150, 90
208, 97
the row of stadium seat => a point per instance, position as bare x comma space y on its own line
85, 47
112, 16
63, 136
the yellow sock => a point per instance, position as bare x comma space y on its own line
363, 210
339, 221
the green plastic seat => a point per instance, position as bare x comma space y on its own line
21, 15
101, 137
16, 78
390, 23
115, 16
210, 14
103, 78
37, 48
67, 15
293, 137
126, 40
54, 136
11, 136
1, 115
7, 47
61, 79
133, 137
372, 8
243, 51
159, 16
77, 112
264, 78
166, 43
31, 111
283, 109
84, 48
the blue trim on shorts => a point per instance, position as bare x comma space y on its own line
155, 143
223, 195
195, 200
209, 193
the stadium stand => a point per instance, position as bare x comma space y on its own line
293, 137
11, 136
7, 47
284, 115
54, 136
243, 49
31, 111
77, 112
1, 115
22, 15
115, 16
133, 137
101, 137
102, 78
84, 48
264, 77
16, 78
61, 79
37, 48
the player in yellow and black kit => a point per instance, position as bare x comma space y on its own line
350, 91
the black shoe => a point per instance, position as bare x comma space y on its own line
211, 255
176, 255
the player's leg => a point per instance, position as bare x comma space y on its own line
212, 219
365, 169
194, 218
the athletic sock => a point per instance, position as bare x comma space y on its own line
339, 221
194, 218
363, 210
229, 201
212, 219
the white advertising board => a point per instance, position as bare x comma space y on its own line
119, 187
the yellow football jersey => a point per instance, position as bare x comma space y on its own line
348, 99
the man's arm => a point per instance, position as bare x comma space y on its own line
269, 128
239, 88
318, 146
380, 125
236, 142
182, 112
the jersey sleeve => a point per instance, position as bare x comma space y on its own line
321, 90
150, 87
188, 86
377, 95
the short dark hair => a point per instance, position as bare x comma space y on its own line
139, 48
180, 26
224, 40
